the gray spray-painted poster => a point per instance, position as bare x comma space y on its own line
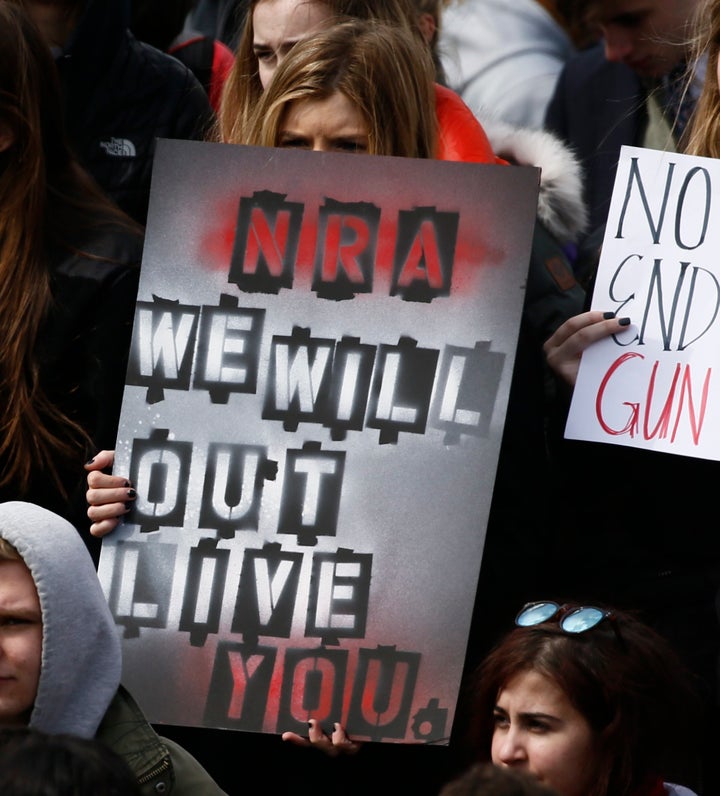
320, 366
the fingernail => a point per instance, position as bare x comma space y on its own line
127, 484
131, 493
89, 462
624, 321
310, 724
128, 506
608, 315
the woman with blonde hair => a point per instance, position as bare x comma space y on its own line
382, 77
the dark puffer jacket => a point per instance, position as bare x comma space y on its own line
120, 96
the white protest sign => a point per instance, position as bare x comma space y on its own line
657, 385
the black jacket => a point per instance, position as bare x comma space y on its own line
120, 96
597, 107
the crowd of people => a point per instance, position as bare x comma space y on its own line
611, 687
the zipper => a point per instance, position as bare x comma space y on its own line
161, 769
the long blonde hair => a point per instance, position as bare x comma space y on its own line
243, 88
704, 132
380, 68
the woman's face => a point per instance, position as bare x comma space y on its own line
536, 729
278, 25
332, 124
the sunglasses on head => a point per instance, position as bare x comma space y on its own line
572, 619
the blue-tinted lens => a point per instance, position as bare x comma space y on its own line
581, 619
536, 614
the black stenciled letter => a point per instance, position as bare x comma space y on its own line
424, 254
162, 348
204, 587
138, 598
339, 595
228, 349
160, 468
347, 247
266, 243
267, 592
312, 486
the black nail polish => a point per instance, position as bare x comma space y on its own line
126, 484
624, 321
89, 462
608, 315
131, 493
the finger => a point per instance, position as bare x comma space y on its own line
294, 738
101, 460
104, 527
586, 336
98, 497
316, 732
341, 739
99, 480
107, 511
572, 326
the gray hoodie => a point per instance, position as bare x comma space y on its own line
81, 657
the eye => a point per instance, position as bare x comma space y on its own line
500, 720
264, 53
350, 145
293, 142
14, 621
538, 726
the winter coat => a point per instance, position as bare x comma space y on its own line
120, 96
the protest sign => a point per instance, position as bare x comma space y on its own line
657, 384
320, 366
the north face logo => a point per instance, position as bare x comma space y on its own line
119, 148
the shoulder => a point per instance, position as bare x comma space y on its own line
561, 207
162, 765
169, 86
462, 136
191, 779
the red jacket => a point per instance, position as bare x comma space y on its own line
461, 136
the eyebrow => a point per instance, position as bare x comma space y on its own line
530, 715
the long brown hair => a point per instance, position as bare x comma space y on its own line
45, 200
243, 88
379, 67
624, 678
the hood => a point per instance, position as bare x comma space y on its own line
81, 658
561, 207
99, 32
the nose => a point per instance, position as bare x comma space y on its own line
618, 43
508, 749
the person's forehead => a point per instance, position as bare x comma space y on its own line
292, 19
17, 587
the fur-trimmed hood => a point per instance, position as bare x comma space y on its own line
561, 207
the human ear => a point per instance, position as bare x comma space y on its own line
428, 26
